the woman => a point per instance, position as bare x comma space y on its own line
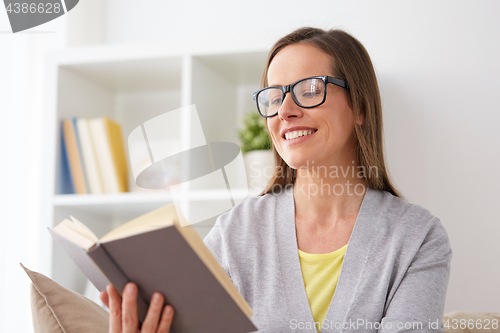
330, 245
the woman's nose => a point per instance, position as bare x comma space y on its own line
289, 108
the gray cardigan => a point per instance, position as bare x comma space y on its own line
393, 278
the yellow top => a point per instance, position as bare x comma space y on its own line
321, 273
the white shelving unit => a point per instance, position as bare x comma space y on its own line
132, 84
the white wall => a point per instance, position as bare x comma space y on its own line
22, 64
439, 74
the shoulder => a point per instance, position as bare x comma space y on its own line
399, 213
249, 215
409, 225
238, 231
252, 206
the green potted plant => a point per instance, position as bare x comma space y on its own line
256, 149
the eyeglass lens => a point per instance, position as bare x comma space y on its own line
307, 93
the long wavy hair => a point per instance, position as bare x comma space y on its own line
352, 64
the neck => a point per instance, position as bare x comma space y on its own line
328, 195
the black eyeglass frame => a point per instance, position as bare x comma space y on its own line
289, 88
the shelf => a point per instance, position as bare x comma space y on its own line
90, 200
133, 84
132, 76
239, 69
126, 206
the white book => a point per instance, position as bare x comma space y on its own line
89, 156
104, 155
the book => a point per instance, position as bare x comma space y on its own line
103, 153
80, 152
159, 255
110, 152
117, 148
73, 158
67, 186
89, 156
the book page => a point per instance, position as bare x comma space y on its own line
159, 218
76, 233
83, 230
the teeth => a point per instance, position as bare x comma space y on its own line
296, 134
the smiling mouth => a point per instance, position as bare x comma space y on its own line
298, 134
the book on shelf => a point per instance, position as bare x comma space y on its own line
80, 152
108, 145
159, 255
73, 157
89, 157
100, 165
115, 143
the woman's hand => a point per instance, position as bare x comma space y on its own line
123, 312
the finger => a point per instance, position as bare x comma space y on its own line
104, 298
129, 308
166, 319
154, 312
115, 309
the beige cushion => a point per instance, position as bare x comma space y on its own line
56, 309
473, 320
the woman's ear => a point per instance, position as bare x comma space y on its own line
360, 119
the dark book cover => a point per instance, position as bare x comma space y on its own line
163, 261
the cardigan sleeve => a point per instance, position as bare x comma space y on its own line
215, 243
420, 296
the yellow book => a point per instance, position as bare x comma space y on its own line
117, 148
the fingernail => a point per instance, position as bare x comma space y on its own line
129, 288
156, 298
169, 310
108, 288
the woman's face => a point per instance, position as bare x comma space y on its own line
333, 141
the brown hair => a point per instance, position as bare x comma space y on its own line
353, 65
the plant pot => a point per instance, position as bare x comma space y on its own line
259, 165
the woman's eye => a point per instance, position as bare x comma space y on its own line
276, 101
311, 93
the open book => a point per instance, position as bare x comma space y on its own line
159, 255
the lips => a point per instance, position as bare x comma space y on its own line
297, 128
297, 134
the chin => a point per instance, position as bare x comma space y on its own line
300, 163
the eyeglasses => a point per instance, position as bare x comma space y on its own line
306, 93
